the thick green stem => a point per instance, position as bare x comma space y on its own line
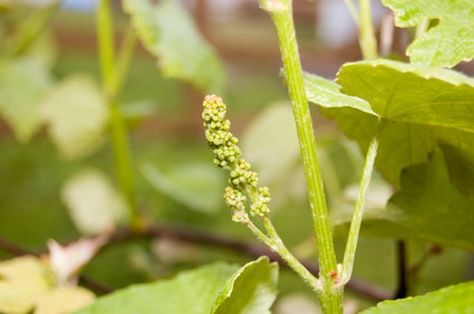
281, 13
112, 77
367, 41
351, 245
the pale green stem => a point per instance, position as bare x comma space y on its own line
123, 61
279, 247
281, 13
352, 10
367, 41
112, 77
351, 245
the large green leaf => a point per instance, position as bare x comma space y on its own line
251, 290
23, 83
446, 44
76, 115
168, 32
191, 292
427, 207
196, 185
420, 106
453, 299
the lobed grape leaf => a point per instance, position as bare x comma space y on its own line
421, 106
452, 299
427, 207
168, 32
445, 44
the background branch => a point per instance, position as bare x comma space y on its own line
187, 235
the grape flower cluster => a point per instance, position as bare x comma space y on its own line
243, 186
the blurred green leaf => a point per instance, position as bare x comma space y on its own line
445, 44
168, 32
23, 83
453, 299
191, 292
196, 185
251, 290
76, 115
270, 143
421, 106
22, 284
93, 203
64, 300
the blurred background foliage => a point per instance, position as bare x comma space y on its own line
44, 180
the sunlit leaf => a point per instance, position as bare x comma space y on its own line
453, 299
251, 290
93, 203
23, 84
196, 185
23, 282
168, 32
76, 116
190, 292
447, 43
64, 300
420, 106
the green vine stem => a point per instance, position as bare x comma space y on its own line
367, 41
351, 245
281, 13
113, 74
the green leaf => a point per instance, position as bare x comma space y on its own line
22, 283
427, 207
421, 106
76, 115
196, 185
168, 32
191, 292
251, 290
93, 203
23, 83
453, 299
64, 300
327, 94
445, 44
270, 143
